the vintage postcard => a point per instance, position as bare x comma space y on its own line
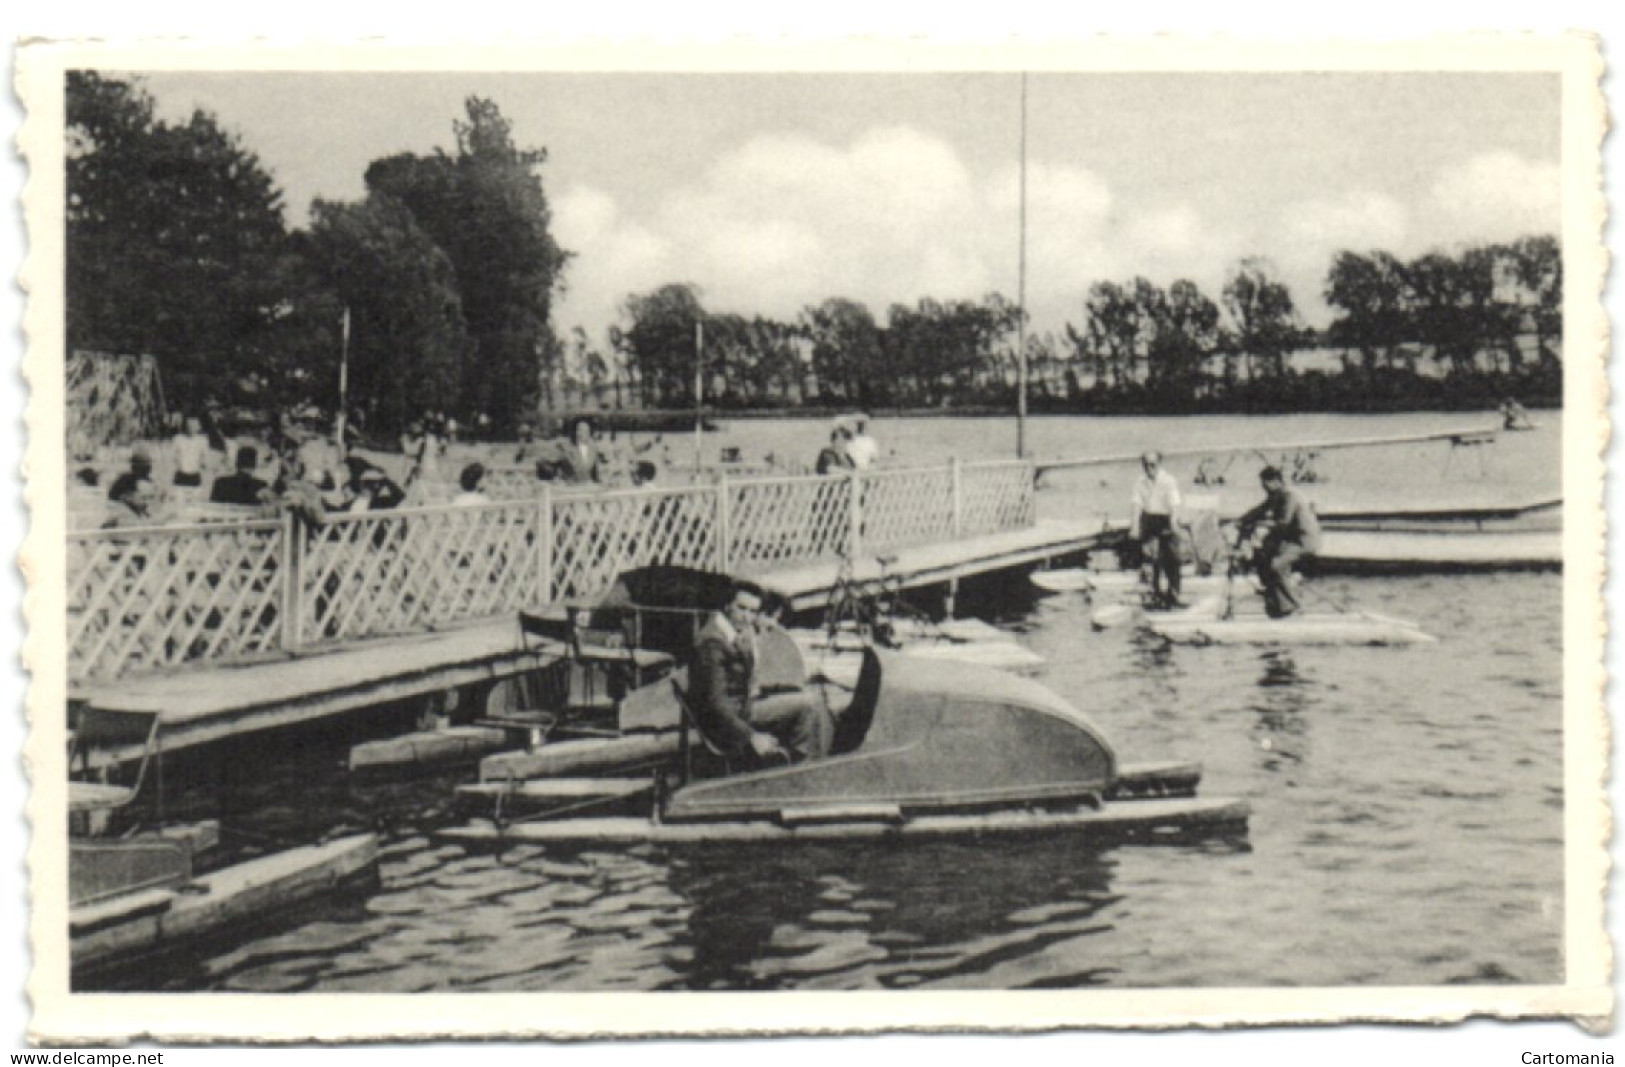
573, 540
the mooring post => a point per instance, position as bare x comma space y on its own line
953, 595
725, 541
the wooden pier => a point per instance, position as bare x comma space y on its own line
230, 627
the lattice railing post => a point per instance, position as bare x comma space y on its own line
854, 539
293, 584
724, 523
544, 543
958, 523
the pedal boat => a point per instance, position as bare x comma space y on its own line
924, 749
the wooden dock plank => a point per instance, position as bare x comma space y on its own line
1462, 435
809, 585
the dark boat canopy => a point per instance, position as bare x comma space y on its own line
660, 607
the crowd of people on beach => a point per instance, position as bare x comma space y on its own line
321, 467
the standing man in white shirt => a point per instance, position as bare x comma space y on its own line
1156, 499
863, 449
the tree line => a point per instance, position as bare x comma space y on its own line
1444, 330
440, 284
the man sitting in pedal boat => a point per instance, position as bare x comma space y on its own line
732, 711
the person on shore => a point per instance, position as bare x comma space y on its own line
321, 455
836, 457
369, 488
1292, 533
726, 696
242, 487
191, 447
472, 482
1514, 416
1155, 501
296, 491
863, 449
422, 450
527, 441
580, 462
412, 441
133, 494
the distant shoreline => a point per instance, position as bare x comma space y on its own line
678, 421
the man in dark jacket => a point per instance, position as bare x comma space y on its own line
241, 487
1292, 533
723, 690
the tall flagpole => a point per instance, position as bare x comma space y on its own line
699, 386
344, 385
1021, 291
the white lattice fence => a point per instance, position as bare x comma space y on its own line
787, 520
902, 507
597, 537
512, 483
388, 572
144, 599
996, 496
148, 598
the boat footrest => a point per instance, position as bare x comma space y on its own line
541, 793
841, 813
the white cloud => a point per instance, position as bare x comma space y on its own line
1495, 196
895, 215
1358, 219
614, 256
786, 221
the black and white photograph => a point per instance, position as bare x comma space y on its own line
1121, 527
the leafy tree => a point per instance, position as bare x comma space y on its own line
1370, 292
1537, 269
175, 238
1112, 332
659, 343
486, 209
408, 336
1266, 324
1452, 306
1184, 331
846, 353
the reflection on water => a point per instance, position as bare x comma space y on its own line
1282, 729
1406, 801
929, 915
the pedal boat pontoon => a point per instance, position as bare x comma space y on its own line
925, 749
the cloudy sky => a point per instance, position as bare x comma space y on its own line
772, 191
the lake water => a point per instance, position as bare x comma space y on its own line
1407, 814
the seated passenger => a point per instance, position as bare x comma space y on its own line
580, 460
134, 494
472, 482
835, 457
241, 487
726, 697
